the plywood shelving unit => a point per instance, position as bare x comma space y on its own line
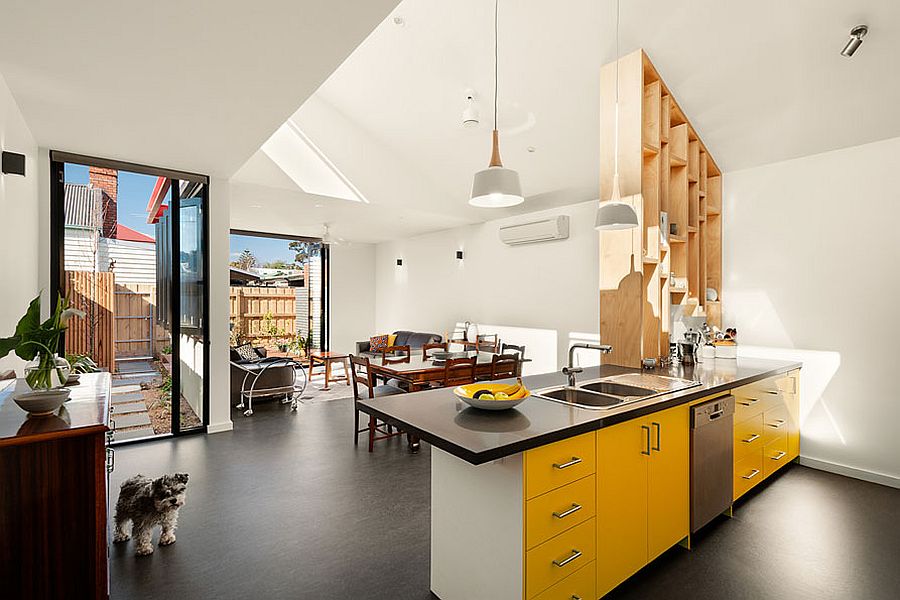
664, 167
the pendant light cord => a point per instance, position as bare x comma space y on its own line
496, 56
616, 158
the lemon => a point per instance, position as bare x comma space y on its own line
501, 396
486, 397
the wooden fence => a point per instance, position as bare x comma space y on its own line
93, 335
256, 310
135, 317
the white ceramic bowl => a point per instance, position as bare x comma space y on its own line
463, 391
42, 402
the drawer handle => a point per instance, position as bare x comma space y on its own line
779, 456
749, 401
777, 424
575, 508
751, 439
561, 563
575, 460
752, 474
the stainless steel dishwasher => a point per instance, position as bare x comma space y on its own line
712, 459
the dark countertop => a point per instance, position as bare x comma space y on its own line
86, 411
478, 436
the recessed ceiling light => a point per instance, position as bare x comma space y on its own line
531, 148
399, 21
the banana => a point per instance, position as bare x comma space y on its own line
520, 393
512, 389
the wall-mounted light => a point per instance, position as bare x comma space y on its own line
459, 254
856, 39
399, 262
13, 164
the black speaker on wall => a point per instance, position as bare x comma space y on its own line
13, 163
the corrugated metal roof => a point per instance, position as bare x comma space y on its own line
82, 206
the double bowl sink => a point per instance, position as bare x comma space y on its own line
614, 391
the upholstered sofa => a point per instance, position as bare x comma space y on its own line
276, 377
412, 339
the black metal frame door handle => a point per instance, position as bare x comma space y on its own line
647, 429
658, 430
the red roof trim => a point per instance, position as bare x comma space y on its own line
127, 234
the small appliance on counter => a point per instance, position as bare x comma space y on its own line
688, 348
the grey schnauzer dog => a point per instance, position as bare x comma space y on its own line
146, 503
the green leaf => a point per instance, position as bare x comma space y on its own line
7, 345
31, 321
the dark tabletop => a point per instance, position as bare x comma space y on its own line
478, 436
86, 410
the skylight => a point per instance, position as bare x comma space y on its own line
307, 166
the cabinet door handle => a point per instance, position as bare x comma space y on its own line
777, 424
773, 392
748, 401
658, 429
575, 460
561, 563
752, 438
752, 474
647, 429
779, 456
562, 515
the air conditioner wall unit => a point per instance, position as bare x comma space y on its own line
545, 230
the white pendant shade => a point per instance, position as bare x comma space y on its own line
615, 215
496, 187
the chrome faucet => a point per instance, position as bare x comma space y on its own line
571, 370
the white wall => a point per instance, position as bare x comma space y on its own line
548, 290
219, 305
812, 262
352, 295
19, 248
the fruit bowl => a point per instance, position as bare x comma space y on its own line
42, 402
517, 394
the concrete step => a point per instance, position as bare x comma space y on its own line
131, 420
133, 434
128, 408
128, 397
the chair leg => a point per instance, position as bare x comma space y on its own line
356, 428
371, 433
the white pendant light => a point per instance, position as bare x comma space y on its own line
615, 214
496, 186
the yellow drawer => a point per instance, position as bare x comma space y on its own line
558, 510
748, 472
776, 423
746, 406
555, 465
748, 437
559, 557
580, 584
775, 455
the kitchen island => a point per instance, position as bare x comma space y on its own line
549, 500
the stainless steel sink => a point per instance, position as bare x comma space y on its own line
579, 397
615, 390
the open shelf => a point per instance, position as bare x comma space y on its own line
678, 144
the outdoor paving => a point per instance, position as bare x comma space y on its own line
134, 419
135, 367
127, 397
131, 434
125, 408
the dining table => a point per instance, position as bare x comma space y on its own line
421, 373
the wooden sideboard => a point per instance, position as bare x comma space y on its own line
53, 495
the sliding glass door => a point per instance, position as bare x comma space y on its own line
130, 246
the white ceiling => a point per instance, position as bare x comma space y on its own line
762, 82
195, 85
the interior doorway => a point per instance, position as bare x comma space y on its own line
130, 249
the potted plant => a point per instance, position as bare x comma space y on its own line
39, 343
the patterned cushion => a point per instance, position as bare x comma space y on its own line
246, 352
378, 343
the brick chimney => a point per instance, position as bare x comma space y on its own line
108, 181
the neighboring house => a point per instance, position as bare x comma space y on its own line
95, 241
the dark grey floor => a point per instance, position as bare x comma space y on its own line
286, 507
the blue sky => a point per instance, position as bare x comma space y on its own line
133, 195
264, 249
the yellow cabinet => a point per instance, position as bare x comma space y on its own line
579, 584
643, 492
558, 510
669, 490
559, 557
555, 465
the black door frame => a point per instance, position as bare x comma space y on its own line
58, 160
325, 313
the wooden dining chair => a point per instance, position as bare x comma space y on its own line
436, 346
364, 382
396, 354
459, 371
488, 342
520, 350
504, 366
